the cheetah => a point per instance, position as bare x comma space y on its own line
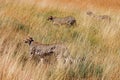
91, 14
99, 17
69, 20
44, 50
105, 17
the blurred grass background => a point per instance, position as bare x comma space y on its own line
97, 41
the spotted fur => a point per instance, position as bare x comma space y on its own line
69, 20
43, 50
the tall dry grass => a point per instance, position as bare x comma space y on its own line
97, 41
81, 4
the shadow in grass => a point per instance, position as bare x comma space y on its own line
21, 27
86, 70
89, 69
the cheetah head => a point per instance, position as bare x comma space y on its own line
89, 13
50, 18
28, 40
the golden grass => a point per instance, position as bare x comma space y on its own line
97, 41
82, 4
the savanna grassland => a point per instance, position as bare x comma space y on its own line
97, 41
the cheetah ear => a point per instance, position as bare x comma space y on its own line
25, 40
50, 16
29, 37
